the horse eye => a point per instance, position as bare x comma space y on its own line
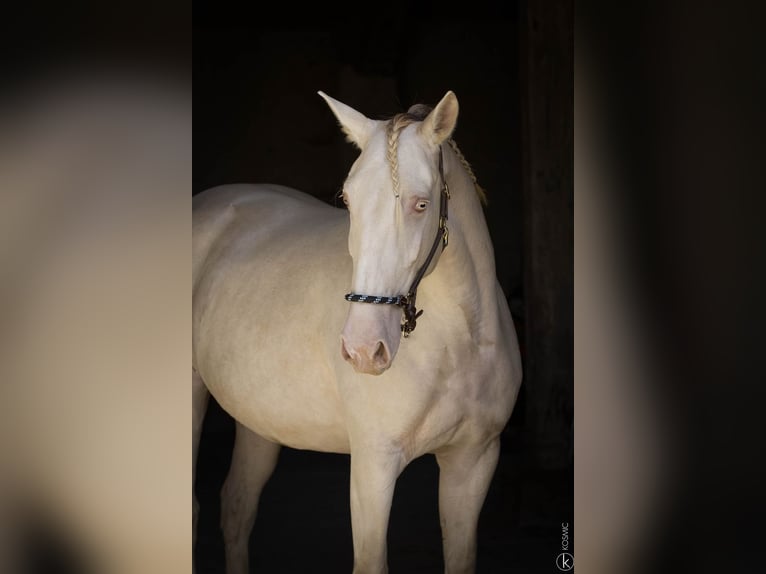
421, 205
344, 198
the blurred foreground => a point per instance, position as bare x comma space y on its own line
95, 173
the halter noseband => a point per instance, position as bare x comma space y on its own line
407, 302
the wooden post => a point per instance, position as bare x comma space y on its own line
547, 83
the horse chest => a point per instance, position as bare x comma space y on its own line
429, 400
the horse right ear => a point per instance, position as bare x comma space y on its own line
440, 123
356, 126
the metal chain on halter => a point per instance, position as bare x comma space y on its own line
407, 302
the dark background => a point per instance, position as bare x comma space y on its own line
257, 118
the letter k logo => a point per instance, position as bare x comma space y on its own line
565, 561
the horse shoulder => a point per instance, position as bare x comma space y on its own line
485, 376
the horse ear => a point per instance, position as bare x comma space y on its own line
440, 123
356, 126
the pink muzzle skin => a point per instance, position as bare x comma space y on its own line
370, 337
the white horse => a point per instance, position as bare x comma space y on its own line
291, 360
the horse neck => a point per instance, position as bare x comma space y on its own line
466, 269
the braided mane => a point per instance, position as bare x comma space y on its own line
394, 127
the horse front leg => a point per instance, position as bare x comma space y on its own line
373, 478
465, 473
253, 461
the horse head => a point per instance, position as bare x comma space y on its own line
393, 194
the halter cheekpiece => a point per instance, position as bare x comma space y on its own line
407, 302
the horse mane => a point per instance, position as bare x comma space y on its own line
394, 127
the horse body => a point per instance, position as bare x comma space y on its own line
270, 268
260, 326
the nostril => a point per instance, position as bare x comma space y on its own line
343, 352
381, 354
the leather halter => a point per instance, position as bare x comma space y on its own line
407, 302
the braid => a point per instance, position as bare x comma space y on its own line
392, 133
467, 166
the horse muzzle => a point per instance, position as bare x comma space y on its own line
370, 338
367, 359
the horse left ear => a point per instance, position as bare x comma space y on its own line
355, 125
440, 123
